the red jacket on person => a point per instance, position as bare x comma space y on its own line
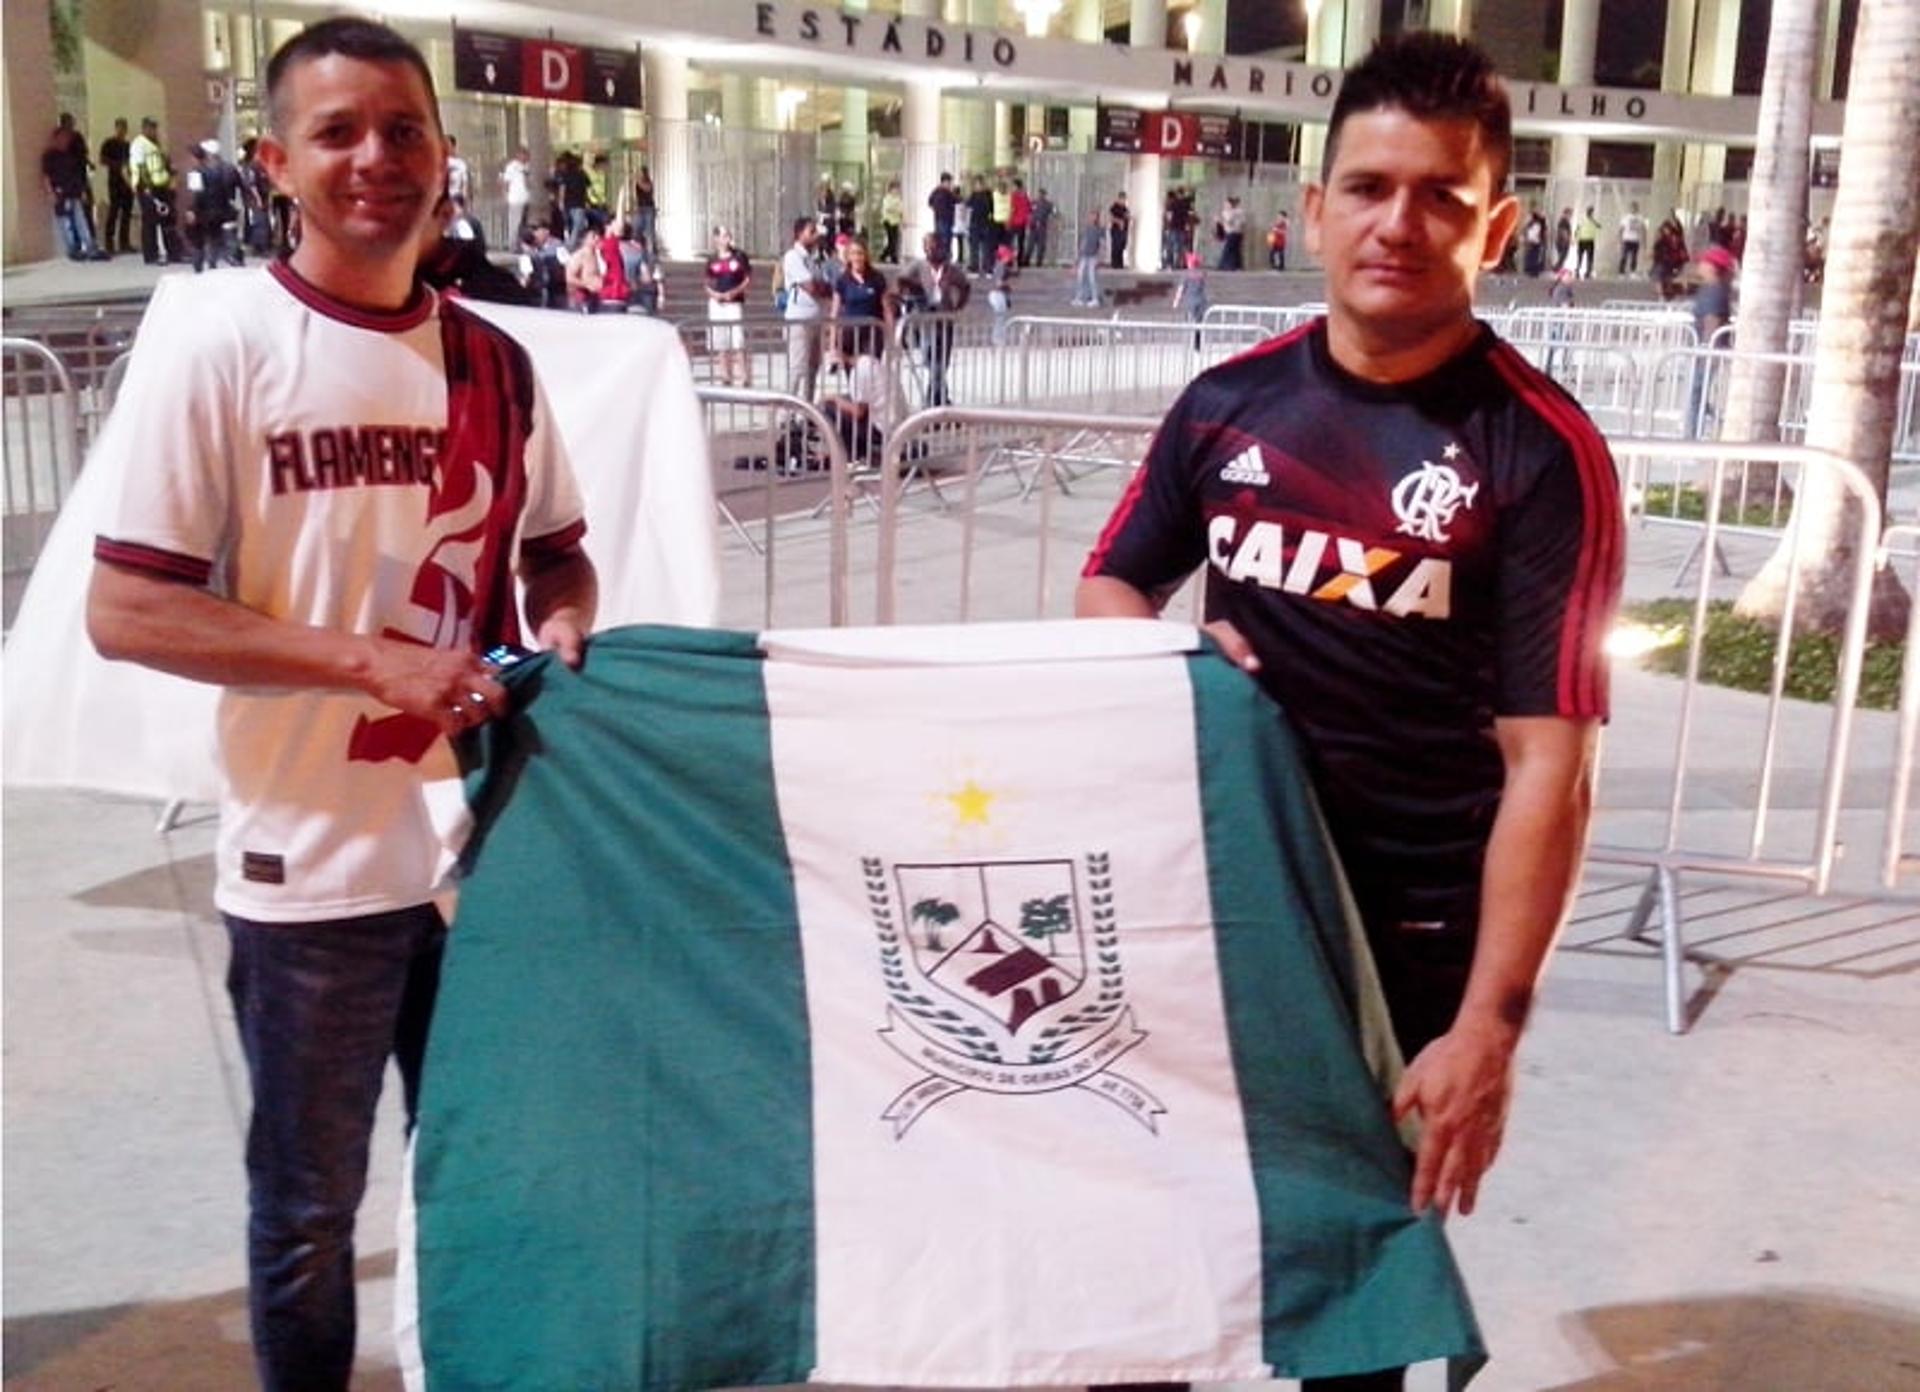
613, 273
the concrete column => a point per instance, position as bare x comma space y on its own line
1829, 50
1002, 151
1147, 23
1144, 195
30, 114
1213, 26
1579, 36
1676, 75
920, 128
671, 147
1450, 17
1361, 28
1089, 21
1716, 36
853, 110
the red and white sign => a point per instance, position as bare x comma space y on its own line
553, 71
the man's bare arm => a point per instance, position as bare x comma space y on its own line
563, 594
1105, 597
180, 628
1461, 1083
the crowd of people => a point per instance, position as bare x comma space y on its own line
215, 210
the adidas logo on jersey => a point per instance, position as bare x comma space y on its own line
1246, 467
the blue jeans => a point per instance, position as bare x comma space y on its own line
1086, 280
320, 1007
75, 229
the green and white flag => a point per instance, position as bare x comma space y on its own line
946, 1007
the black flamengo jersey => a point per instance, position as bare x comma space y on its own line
1409, 562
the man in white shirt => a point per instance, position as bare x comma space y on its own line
513, 186
459, 175
1633, 232
1233, 236
803, 272
332, 483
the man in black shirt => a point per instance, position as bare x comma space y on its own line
1119, 227
1414, 541
115, 154
941, 201
982, 231
63, 170
213, 187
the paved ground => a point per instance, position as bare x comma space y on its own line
1737, 1208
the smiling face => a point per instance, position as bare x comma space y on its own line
357, 143
1407, 219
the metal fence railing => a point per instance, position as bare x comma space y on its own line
1042, 456
777, 456
1736, 758
42, 445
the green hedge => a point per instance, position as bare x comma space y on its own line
1739, 653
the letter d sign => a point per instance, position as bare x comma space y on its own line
1172, 134
553, 71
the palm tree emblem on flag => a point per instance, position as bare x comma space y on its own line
999, 982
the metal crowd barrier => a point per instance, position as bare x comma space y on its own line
777, 458
1826, 490
1273, 320
1044, 453
42, 447
1684, 396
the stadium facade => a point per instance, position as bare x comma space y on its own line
741, 108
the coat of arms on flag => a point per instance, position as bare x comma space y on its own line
999, 981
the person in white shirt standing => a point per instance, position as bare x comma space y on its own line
333, 485
459, 174
1633, 233
513, 187
803, 271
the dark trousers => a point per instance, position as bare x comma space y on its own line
1117, 245
119, 230
213, 243
320, 1007
159, 237
890, 243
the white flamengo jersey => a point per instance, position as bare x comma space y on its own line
372, 473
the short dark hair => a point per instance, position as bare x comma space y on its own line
801, 224
350, 38
1432, 76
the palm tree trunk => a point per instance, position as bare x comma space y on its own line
1776, 224
1863, 324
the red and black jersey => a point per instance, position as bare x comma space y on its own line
1409, 561
728, 272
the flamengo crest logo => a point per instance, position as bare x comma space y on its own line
999, 983
1427, 500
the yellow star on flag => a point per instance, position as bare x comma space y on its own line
970, 803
